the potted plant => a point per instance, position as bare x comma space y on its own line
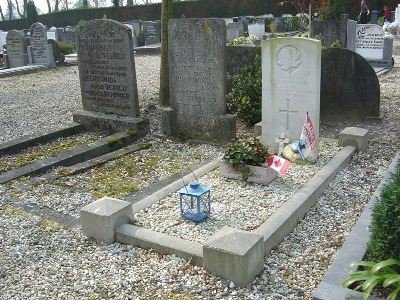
245, 159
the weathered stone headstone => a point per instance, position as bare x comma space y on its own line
257, 29
134, 40
152, 33
234, 30
16, 50
39, 52
107, 74
197, 77
291, 72
350, 89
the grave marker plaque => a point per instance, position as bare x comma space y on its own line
197, 80
16, 50
291, 72
107, 68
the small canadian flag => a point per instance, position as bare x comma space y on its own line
278, 163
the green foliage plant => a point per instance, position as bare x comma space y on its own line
384, 241
335, 44
81, 22
373, 274
245, 98
245, 151
272, 29
66, 48
380, 21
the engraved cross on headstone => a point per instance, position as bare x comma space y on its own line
287, 111
281, 140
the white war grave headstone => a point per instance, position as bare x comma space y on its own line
197, 74
40, 52
107, 77
16, 50
291, 75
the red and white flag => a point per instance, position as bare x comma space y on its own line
307, 138
278, 163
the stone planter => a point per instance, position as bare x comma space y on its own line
247, 173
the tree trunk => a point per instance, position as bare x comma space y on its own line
85, 4
10, 9
2, 18
166, 15
48, 6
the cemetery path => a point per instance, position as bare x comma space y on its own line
40, 258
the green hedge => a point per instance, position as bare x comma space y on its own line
385, 223
190, 9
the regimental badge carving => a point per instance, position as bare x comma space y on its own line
289, 58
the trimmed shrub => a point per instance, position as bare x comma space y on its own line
385, 223
245, 98
66, 48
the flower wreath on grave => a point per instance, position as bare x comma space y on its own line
242, 157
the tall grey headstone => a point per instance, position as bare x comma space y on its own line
197, 75
40, 52
291, 75
16, 50
107, 69
234, 30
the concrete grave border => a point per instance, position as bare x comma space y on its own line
353, 249
263, 239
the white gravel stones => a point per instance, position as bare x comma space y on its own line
40, 260
233, 203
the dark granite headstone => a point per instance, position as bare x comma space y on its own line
197, 75
350, 89
152, 33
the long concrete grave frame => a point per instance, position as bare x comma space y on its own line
233, 254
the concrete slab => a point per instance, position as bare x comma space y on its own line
101, 218
21, 70
354, 136
160, 242
235, 255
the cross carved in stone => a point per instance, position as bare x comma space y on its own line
288, 112
281, 140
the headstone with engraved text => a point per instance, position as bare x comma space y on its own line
108, 78
40, 52
197, 75
16, 50
291, 72
152, 33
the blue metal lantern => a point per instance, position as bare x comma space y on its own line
194, 201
